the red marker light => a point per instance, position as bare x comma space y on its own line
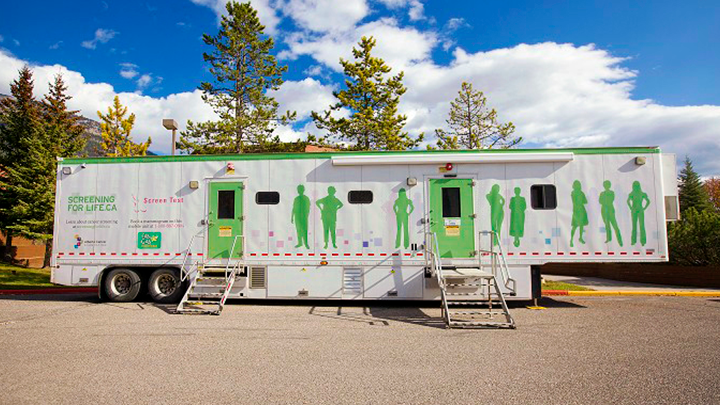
448, 166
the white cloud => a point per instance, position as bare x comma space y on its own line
56, 45
303, 97
102, 36
265, 9
416, 11
398, 46
128, 70
325, 15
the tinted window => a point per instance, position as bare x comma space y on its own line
267, 198
226, 204
451, 202
543, 197
360, 197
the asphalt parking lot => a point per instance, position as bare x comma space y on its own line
634, 350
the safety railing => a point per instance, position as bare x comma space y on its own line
434, 263
185, 274
230, 257
498, 261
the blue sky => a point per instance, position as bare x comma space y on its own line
568, 73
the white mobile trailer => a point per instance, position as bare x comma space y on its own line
354, 225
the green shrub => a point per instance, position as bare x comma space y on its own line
695, 239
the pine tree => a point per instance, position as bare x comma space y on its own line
62, 124
244, 71
372, 99
21, 126
115, 131
473, 125
691, 192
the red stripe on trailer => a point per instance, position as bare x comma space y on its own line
60, 253
548, 253
336, 254
598, 253
156, 254
346, 254
358, 254
636, 253
560, 253
135, 254
623, 253
573, 253
662, 257
263, 254
396, 254
146, 254
536, 253
611, 253
420, 254
178, 254
253, 254
92, 253
371, 254
408, 254
71, 254
586, 253
113, 254
199, 254
486, 254
276, 254
522, 254
167, 254
83, 254
649, 253
103, 254
311, 254
383, 254
510, 253
123, 254
288, 254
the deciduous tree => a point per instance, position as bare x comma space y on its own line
370, 101
712, 187
473, 125
115, 131
244, 70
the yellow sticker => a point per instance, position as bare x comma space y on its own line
452, 231
225, 232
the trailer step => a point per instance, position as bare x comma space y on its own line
193, 299
473, 324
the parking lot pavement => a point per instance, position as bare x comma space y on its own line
635, 350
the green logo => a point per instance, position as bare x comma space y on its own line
149, 240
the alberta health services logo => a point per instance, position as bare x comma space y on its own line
78, 241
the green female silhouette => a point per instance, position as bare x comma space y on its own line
607, 210
517, 216
402, 215
497, 213
638, 202
299, 216
580, 216
329, 206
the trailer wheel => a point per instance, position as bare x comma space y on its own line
165, 286
122, 285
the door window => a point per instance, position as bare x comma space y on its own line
226, 204
451, 202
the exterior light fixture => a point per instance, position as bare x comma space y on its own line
193, 185
67, 171
171, 124
640, 160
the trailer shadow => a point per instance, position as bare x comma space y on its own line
70, 297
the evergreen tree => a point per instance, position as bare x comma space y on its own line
691, 192
372, 99
244, 71
473, 125
21, 126
115, 131
62, 125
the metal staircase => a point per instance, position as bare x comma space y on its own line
210, 286
468, 293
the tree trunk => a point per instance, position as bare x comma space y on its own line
48, 253
9, 257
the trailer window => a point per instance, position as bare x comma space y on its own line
543, 197
360, 197
451, 202
267, 198
226, 204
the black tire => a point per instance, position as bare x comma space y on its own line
164, 286
122, 285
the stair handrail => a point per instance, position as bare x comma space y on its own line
184, 275
433, 252
499, 256
232, 250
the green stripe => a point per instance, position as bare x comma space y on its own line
328, 155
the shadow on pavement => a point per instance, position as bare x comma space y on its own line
69, 297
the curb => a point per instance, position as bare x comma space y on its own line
41, 291
635, 293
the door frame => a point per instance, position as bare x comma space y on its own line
426, 214
244, 179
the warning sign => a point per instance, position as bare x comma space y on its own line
225, 232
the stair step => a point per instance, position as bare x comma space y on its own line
193, 303
473, 324
468, 272
456, 285
491, 313
205, 295
198, 311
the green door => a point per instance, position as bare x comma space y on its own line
225, 219
452, 216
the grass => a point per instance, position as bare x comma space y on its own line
24, 278
559, 285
